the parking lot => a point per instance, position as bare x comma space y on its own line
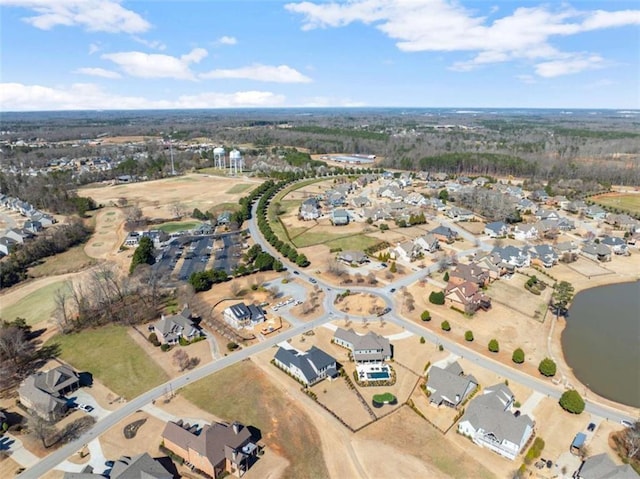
195, 253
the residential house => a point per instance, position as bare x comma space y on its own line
436, 204
7, 245
540, 196
459, 214
623, 221
617, 245
43, 392
353, 257
170, 329
596, 251
511, 256
368, 348
376, 213
543, 254
242, 316
487, 264
565, 248
415, 199
224, 218
473, 272
392, 192
310, 209
427, 242
514, 191
603, 467
576, 207
467, 295
480, 181
407, 251
339, 217
140, 466
213, 449
489, 423
133, 239
33, 227
444, 234
334, 198
496, 229
595, 212
547, 215
19, 235
203, 229
525, 205
449, 386
309, 367
360, 201
560, 201
525, 231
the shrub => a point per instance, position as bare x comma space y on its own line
572, 402
153, 339
425, 316
445, 326
440, 347
165, 347
446, 276
231, 346
422, 340
494, 347
436, 297
468, 335
547, 367
518, 356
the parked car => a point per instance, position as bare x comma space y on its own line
392, 290
591, 427
626, 423
85, 407
296, 272
109, 463
313, 280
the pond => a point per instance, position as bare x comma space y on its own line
601, 341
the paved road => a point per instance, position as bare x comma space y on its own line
544, 387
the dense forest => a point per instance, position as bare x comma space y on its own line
597, 145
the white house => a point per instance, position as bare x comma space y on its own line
525, 231
489, 423
310, 209
496, 229
427, 242
242, 316
406, 251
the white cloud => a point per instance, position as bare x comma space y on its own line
226, 40
98, 72
94, 48
445, 25
567, 66
93, 15
257, 72
155, 65
325, 101
154, 44
528, 79
87, 96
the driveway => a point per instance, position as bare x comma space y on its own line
96, 460
82, 396
531, 403
18, 452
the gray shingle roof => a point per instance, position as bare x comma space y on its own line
142, 466
603, 467
449, 384
309, 362
361, 344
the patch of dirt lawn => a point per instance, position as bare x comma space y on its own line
339, 398
158, 198
147, 439
407, 435
8, 467
360, 304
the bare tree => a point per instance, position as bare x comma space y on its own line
359, 278
334, 267
274, 292
41, 429
235, 288
181, 359
61, 300
371, 278
631, 439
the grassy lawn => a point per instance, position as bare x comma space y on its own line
346, 242
172, 227
384, 397
240, 188
213, 171
290, 205
34, 307
74, 259
217, 209
628, 202
113, 358
256, 401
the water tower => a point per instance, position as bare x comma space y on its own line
236, 163
219, 158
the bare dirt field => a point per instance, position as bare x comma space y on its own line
512, 293
115, 444
157, 198
8, 467
339, 398
360, 304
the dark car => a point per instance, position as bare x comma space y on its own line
313, 280
591, 427
109, 463
517, 413
296, 272
392, 290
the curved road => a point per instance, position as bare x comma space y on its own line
544, 387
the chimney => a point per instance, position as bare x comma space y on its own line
236, 427
457, 398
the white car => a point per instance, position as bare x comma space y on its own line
626, 423
85, 407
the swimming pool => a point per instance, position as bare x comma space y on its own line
378, 375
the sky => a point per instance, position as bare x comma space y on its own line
164, 54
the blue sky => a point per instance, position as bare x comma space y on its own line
110, 54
